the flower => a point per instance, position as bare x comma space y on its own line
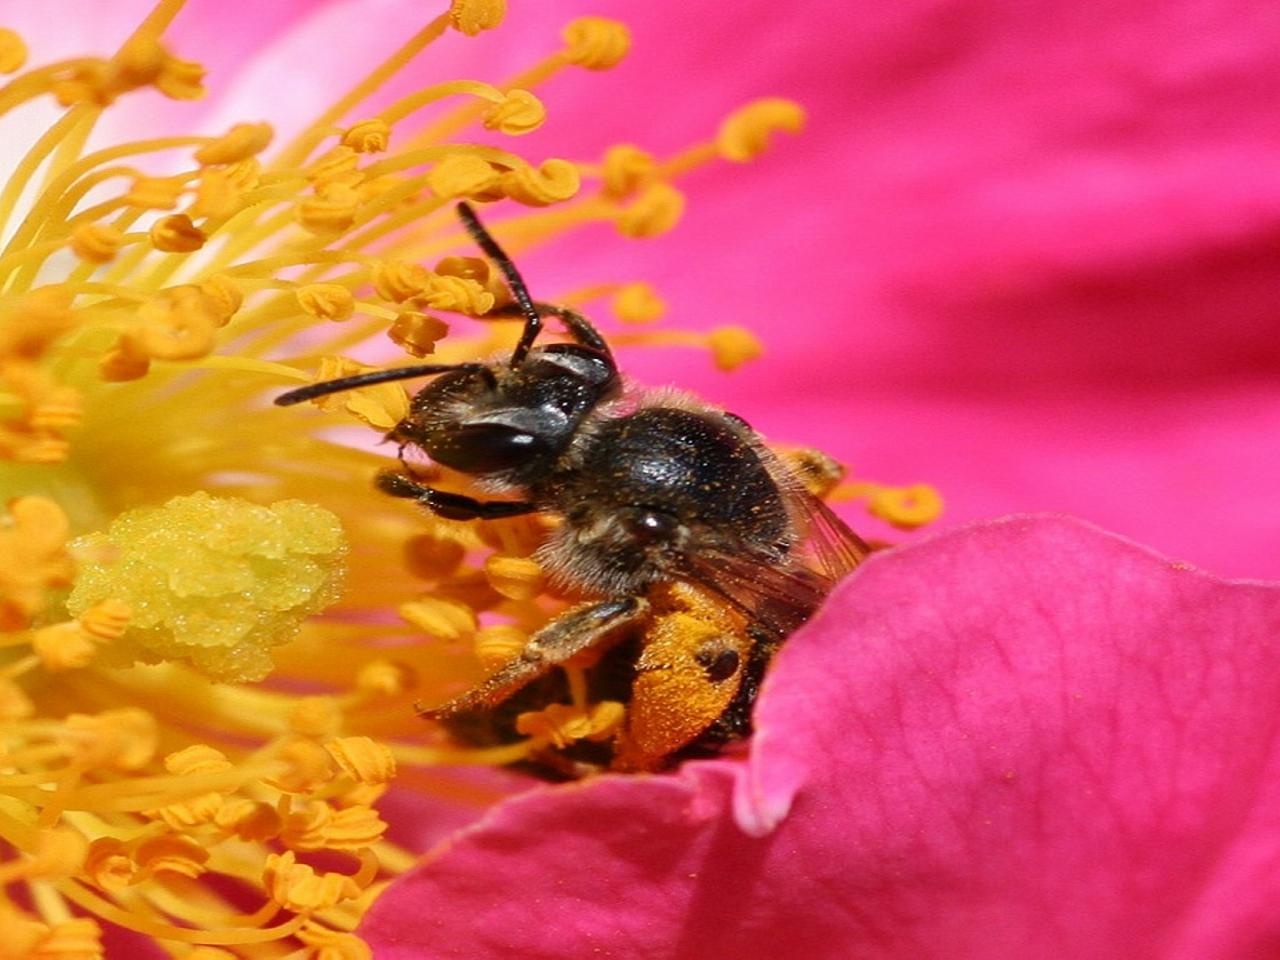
189, 755
1026, 737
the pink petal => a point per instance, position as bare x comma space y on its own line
1026, 738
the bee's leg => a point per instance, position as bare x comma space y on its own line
451, 506
570, 633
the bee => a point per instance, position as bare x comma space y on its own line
699, 549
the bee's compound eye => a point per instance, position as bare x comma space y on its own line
652, 526
719, 665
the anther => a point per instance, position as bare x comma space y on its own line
326, 301
242, 141
551, 182
596, 43
368, 136
475, 16
441, 618
462, 175
96, 242
746, 132
653, 213
733, 346
176, 234
363, 759
416, 332
625, 168
13, 51
638, 303
520, 112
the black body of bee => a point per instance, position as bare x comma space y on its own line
655, 492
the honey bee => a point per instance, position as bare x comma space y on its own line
701, 550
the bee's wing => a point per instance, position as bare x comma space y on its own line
833, 546
779, 597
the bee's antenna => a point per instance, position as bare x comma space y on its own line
532, 320
326, 387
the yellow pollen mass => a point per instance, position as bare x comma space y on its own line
212, 582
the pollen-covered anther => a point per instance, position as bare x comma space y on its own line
625, 168
96, 242
455, 294
178, 324
563, 723
176, 234
381, 406
385, 678
57, 410
63, 646
475, 16
441, 618
518, 113
464, 175
123, 739
326, 301
327, 944
171, 853
430, 556
189, 812
906, 507
363, 759
155, 193
368, 136
733, 346
217, 196
77, 939
251, 820
197, 759
417, 332
340, 165
596, 43
242, 141
318, 826
298, 887
13, 51
307, 765
516, 578
550, 182
32, 322
225, 297
655, 211
33, 558
315, 717
468, 268
331, 211
181, 79
819, 472
498, 644
398, 280
638, 303
745, 133
109, 864
122, 363
139, 61
59, 852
